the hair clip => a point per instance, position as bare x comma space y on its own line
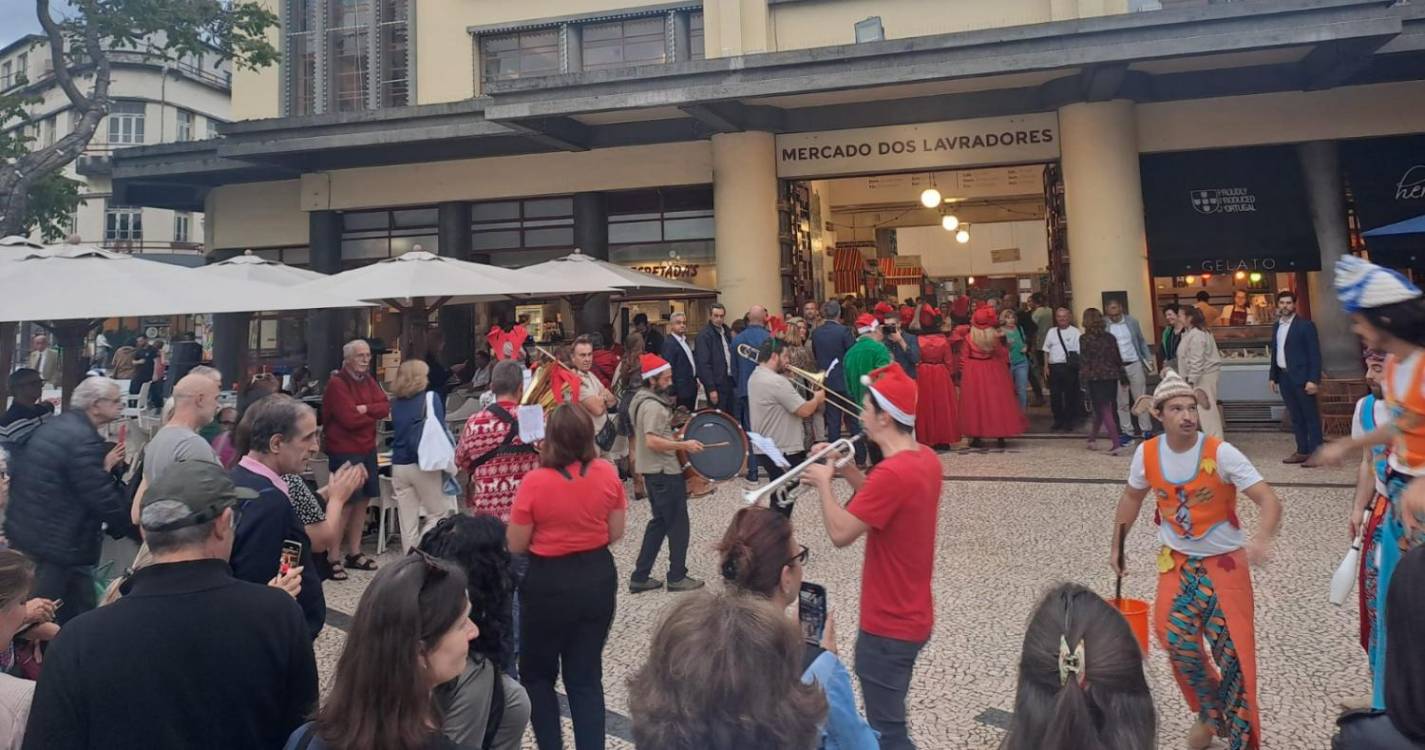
1071, 662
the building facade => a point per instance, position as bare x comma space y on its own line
1163, 149
154, 102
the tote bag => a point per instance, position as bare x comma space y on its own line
436, 451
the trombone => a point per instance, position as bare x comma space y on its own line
809, 382
794, 474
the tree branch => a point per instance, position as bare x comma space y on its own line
56, 55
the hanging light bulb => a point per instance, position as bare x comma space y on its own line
972, 280
1241, 275
1256, 277
962, 236
950, 222
930, 198
1189, 280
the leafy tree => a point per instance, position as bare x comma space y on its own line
32, 191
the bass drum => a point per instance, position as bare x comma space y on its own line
724, 454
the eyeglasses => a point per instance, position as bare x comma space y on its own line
227, 422
801, 557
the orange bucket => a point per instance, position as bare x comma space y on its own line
1135, 611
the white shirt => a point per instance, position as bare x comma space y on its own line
1381, 412
1125, 341
1282, 328
726, 354
1232, 466
683, 342
1058, 353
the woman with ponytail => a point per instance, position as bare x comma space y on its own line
1081, 683
760, 558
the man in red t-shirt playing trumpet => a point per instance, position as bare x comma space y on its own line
895, 506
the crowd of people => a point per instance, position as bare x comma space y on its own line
507, 586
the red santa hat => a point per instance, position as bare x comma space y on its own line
985, 317
893, 391
907, 313
884, 310
652, 365
776, 325
865, 323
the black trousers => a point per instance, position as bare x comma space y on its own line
780, 502
1305, 418
73, 584
1065, 397
668, 498
884, 666
567, 607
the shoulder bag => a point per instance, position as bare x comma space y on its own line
1072, 359
436, 451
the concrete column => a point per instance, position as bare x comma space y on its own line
591, 236
1326, 198
324, 326
749, 268
457, 322
1103, 196
230, 336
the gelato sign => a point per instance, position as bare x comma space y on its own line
958, 143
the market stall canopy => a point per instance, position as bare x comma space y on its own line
15, 247
578, 267
84, 282
1409, 226
249, 267
437, 280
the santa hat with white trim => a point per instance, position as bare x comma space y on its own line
893, 391
866, 323
652, 365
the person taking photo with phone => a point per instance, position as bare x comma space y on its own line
759, 556
895, 506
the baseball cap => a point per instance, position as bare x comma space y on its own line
202, 486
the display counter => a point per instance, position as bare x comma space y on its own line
1244, 388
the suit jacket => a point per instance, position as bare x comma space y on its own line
829, 343
753, 336
907, 356
713, 368
685, 379
47, 365
1303, 353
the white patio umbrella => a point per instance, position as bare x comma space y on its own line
71, 288
418, 281
589, 269
249, 267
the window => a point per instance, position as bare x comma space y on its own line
531, 223
520, 55
7, 74
126, 122
185, 125
22, 68
123, 225
210, 128
364, 62
639, 41
695, 36
383, 234
181, 222
47, 127
660, 215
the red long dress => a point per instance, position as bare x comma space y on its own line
988, 405
936, 422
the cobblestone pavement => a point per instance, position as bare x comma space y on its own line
1012, 524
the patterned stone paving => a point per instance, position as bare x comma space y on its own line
1044, 517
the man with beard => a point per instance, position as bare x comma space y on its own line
655, 454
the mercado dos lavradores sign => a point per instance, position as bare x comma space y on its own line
1228, 210
956, 143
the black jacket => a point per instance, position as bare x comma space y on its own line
189, 658
685, 381
1370, 730
60, 493
264, 524
829, 342
712, 361
1303, 354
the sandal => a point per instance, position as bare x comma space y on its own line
360, 561
338, 573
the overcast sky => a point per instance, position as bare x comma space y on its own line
20, 18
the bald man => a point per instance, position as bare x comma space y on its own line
195, 404
753, 335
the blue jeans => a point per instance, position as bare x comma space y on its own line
1020, 372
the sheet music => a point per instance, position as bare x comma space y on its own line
531, 419
766, 447
833, 365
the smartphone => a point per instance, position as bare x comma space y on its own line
811, 612
291, 556
123, 432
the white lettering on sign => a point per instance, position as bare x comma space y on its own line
1411, 186
1223, 200
1222, 265
956, 143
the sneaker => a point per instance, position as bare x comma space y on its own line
686, 583
638, 587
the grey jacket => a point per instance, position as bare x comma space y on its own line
465, 704
1139, 343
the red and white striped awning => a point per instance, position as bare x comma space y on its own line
848, 269
900, 275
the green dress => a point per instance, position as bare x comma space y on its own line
864, 356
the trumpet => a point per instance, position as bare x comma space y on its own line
809, 382
793, 476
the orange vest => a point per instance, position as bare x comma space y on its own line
1408, 411
1196, 507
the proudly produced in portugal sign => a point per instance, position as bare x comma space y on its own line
957, 143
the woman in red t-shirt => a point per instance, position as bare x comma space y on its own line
566, 514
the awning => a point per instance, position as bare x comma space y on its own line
1387, 179
1241, 209
848, 269
900, 275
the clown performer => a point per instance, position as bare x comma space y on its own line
1389, 315
1203, 611
1371, 502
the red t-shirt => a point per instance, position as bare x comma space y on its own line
569, 515
899, 502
